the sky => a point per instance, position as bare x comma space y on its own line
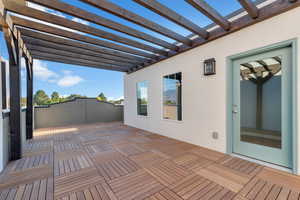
72, 79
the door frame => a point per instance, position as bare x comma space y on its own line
229, 94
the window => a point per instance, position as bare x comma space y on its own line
142, 98
172, 97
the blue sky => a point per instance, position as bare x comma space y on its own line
70, 79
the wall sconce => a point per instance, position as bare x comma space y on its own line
209, 67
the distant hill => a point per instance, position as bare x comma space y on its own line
170, 95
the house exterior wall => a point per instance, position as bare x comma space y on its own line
203, 97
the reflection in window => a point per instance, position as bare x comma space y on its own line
260, 102
172, 108
142, 98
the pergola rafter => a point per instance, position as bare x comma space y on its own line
210, 12
113, 54
54, 19
37, 43
250, 7
35, 49
114, 48
61, 59
93, 18
79, 37
164, 11
137, 19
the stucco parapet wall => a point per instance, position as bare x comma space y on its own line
75, 99
77, 111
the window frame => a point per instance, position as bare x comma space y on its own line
137, 92
162, 98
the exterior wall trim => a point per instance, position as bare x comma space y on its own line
229, 94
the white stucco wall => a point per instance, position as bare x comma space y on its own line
204, 97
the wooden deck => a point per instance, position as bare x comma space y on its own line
115, 162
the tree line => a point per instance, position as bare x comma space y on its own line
41, 98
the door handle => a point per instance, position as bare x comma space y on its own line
234, 111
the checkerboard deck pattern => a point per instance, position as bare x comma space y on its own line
111, 161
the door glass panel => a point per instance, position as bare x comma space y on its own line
260, 102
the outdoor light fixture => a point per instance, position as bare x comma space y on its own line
209, 67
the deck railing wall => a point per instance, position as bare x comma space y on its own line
5, 137
77, 111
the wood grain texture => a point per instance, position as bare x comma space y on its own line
130, 16
164, 11
210, 12
97, 19
111, 161
34, 37
61, 21
250, 7
79, 37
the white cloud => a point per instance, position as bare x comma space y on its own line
65, 79
41, 71
67, 72
69, 80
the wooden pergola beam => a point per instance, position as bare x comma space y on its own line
81, 60
277, 59
75, 36
11, 45
91, 17
61, 59
41, 43
54, 19
210, 12
164, 11
272, 68
250, 7
14, 52
3, 82
84, 47
132, 17
29, 102
6, 22
35, 48
266, 12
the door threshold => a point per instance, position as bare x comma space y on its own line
274, 166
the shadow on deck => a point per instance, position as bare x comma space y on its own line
112, 161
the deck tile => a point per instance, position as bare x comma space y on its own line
192, 161
147, 158
137, 186
242, 166
168, 172
196, 187
111, 161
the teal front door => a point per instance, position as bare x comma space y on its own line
262, 107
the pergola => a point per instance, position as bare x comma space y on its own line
106, 50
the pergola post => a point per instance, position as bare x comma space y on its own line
29, 110
3, 79
15, 95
